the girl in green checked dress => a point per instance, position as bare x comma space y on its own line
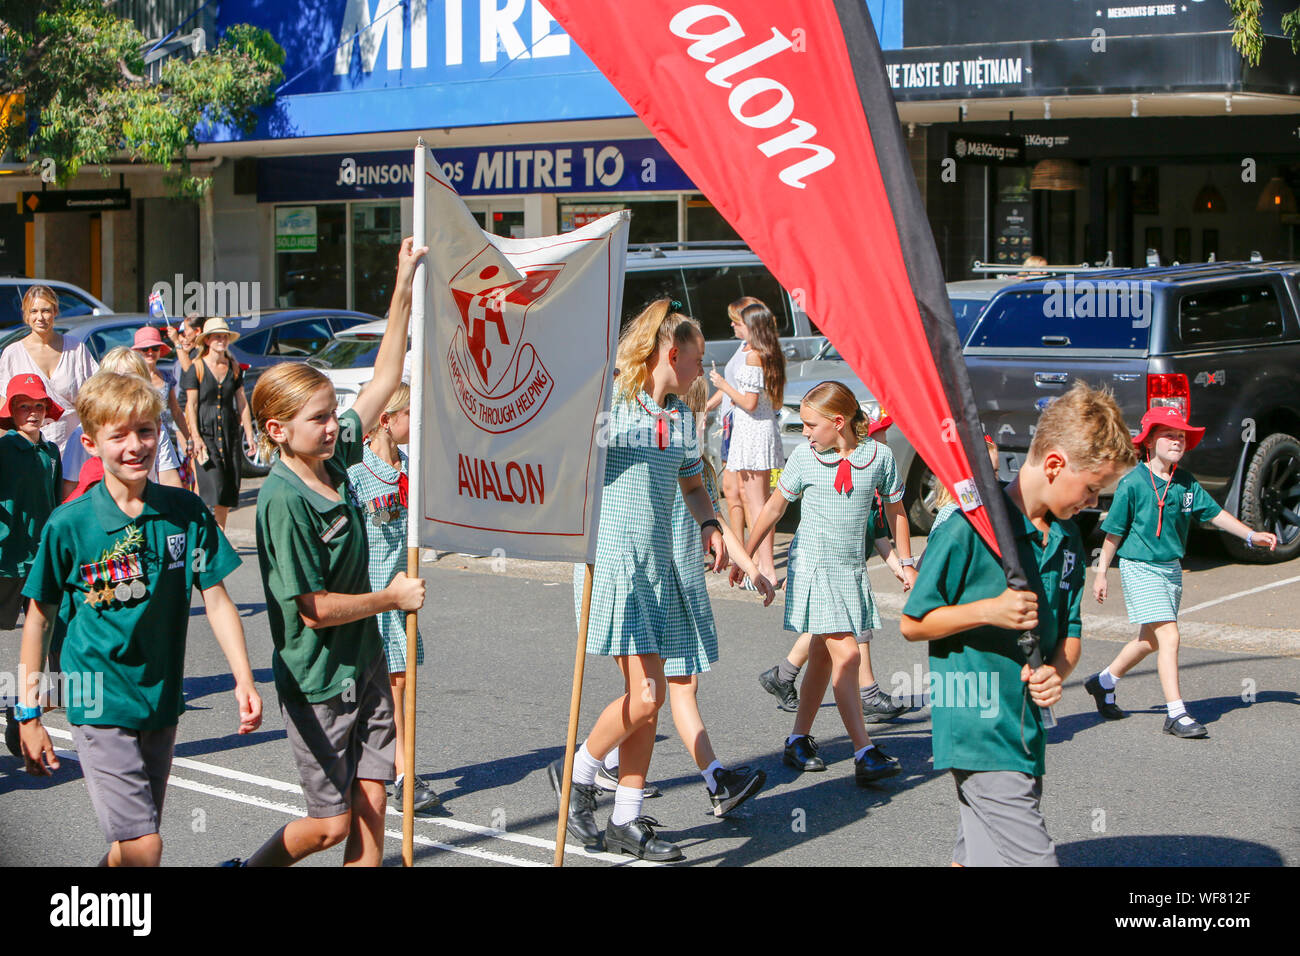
837, 474
728, 787
378, 483
640, 613
1148, 522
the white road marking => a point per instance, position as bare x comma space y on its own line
293, 811
1233, 597
284, 787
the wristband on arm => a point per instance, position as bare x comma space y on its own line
713, 522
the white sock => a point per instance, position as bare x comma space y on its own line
1176, 709
1108, 682
585, 766
627, 805
710, 775
857, 755
611, 760
792, 738
398, 782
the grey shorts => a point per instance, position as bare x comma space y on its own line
126, 773
865, 637
1001, 820
337, 742
12, 602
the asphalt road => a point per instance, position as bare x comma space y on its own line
493, 708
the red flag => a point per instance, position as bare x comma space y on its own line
780, 112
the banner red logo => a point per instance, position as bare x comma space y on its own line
501, 382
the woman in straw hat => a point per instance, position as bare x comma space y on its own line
215, 408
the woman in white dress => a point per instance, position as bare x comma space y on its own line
756, 394
721, 402
63, 370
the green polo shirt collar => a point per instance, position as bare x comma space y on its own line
338, 478
110, 517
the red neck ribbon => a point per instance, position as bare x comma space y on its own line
844, 477
403, 487
1160, 498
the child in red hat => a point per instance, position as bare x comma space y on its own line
33, 477
1147, 526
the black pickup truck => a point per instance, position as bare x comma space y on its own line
1219, 340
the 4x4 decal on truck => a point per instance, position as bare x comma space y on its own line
1211, 378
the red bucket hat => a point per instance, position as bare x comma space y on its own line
1169, 417
149, 337
28, 386
879, 425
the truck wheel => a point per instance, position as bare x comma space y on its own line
1270, 501
921, 493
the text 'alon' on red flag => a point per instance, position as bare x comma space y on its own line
780, 112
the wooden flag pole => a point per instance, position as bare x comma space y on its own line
408, 711
575, 708
414, 499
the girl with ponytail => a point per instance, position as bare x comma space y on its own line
641, 614
837, 474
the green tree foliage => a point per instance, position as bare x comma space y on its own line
79, 69
1248, 35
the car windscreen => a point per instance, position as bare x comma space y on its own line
1114, 316
347, 353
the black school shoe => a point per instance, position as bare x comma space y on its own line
882, 710
787, 698
734, 788
1184, 726
607, 780
801, 754
1110, 711
874, 765
582, 806
12, 740
638, 839
425, 798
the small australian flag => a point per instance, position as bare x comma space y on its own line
156, 309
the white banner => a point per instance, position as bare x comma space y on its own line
518, 347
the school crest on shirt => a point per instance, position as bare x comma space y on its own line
176, 550
1187, 502
1067, 566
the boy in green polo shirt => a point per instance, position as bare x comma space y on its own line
32, 478
125, 557
985, 730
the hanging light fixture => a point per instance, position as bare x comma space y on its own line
1276, 197
1209, 199
1059, 175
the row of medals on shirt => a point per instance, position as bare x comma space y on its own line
385, 508
119, 574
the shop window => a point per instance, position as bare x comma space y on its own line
705, 224
653, 220
1244, 314
376, 237
313, 274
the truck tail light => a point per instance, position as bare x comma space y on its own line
1170, 390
